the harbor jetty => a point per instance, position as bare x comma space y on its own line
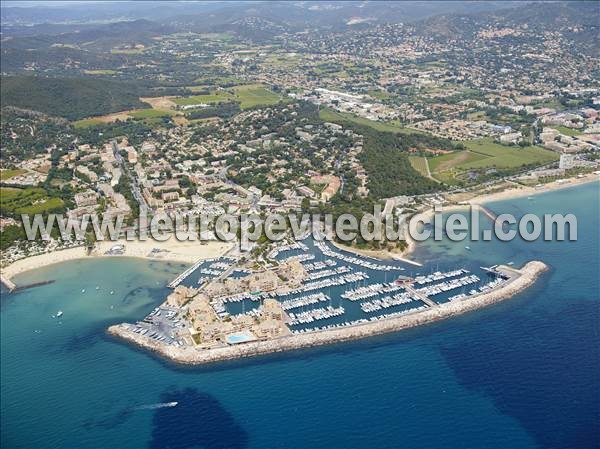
488, 213
10, 285
175, 282
13, 288
516, 281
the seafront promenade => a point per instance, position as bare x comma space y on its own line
519, 281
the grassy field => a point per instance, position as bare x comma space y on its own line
213, 97
255, 95
485, 154
501, 156
150, 113
568, 131
419, 163
11, 173
283, 60
452, 161
197, 88
330, 115
379, 94
31, 200
86, 122
248, 96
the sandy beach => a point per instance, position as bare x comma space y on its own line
171, 250
190, 252
464, 201
520, 191
190, 355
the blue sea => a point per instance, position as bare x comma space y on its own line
524, 373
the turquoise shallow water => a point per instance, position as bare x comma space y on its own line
521, 374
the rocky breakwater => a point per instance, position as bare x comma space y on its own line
519, 280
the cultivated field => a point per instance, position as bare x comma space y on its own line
31, 200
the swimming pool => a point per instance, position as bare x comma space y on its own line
240, 337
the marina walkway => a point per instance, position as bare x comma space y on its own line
425, 299
175, 282
488, 213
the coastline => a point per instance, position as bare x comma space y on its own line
478, 199
171, 250
176, 251
528, 274
522, 191
382, 254
507, 194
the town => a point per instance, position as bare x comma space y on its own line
336, 121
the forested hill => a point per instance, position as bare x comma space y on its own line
71, 98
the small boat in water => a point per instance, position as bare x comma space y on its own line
83, 290
468, 248
59, 314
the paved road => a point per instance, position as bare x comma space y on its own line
135, 188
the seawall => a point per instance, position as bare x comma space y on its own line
190, 355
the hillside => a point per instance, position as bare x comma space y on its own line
71, 98
263, 20
577, 21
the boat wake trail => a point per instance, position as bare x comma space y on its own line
156, 406
109, 421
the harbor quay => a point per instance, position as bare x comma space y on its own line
308, 294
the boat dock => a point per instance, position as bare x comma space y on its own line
488, 213
499, 271
422, 297
218, 269
175, 282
